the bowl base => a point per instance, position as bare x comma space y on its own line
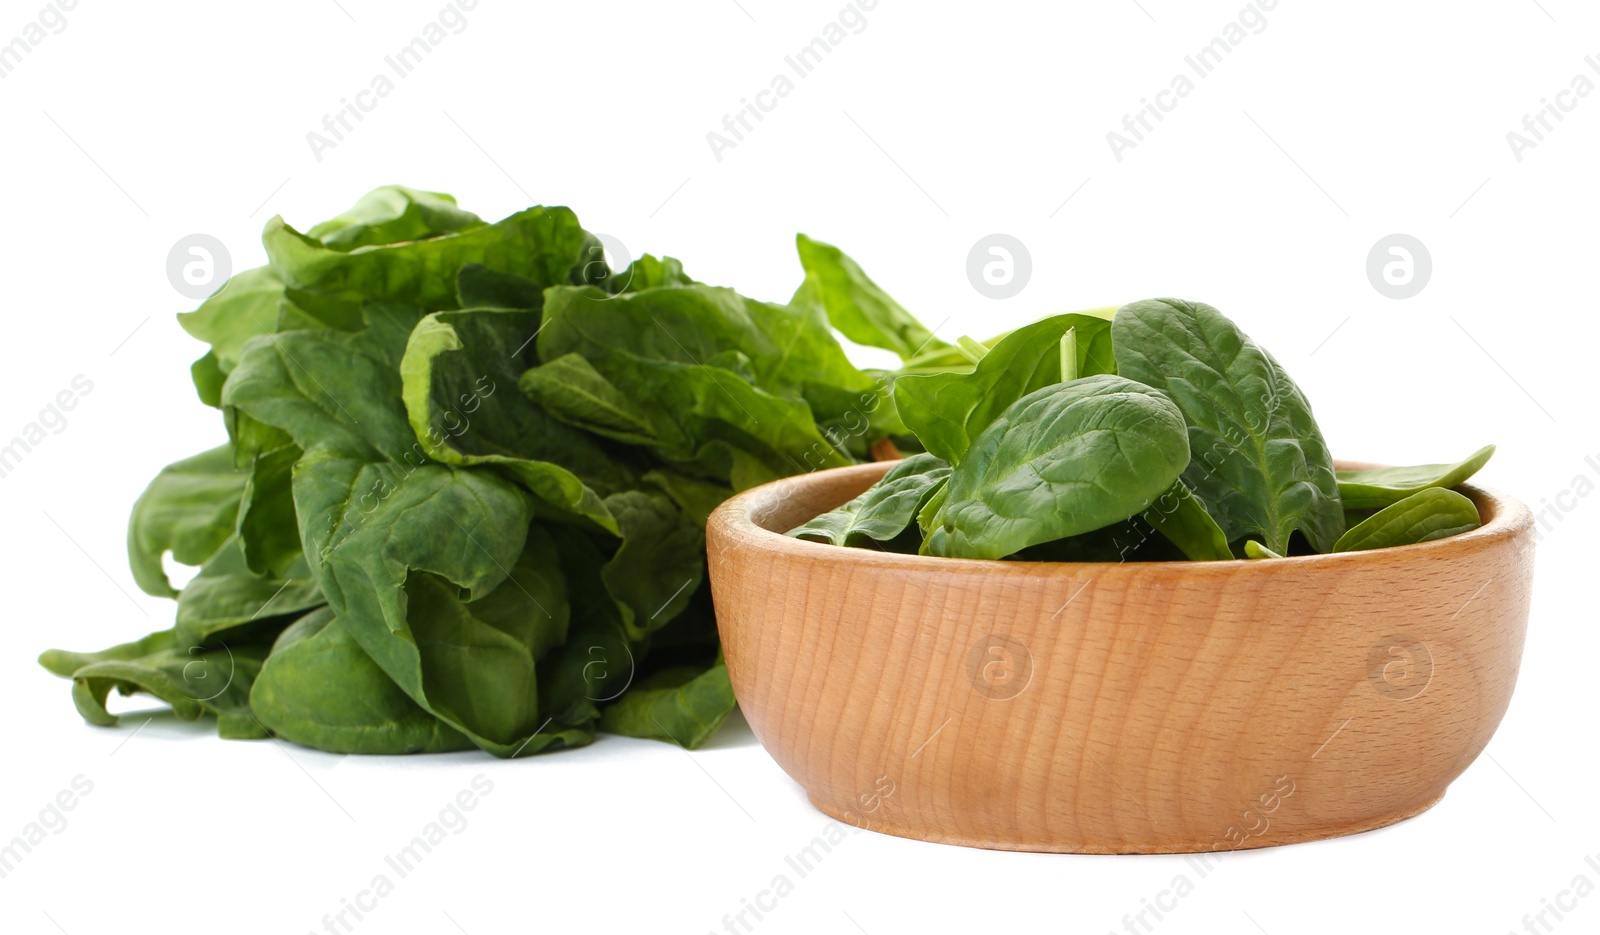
1152, 846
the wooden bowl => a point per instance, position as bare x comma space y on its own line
1116, 707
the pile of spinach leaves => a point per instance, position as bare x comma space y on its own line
1155, 431
466, 477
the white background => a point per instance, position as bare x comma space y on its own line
1261, 193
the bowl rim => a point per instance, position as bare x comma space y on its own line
1509, 519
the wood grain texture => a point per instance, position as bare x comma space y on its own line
1116, 708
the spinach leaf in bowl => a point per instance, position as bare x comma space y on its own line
1063, 460
1180, 516
1431, 513
947, 411
1257, 480
1260, 462
884, 510
1379, 487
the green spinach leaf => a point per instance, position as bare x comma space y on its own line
319, 689
393, 214
478, 286
459, 382
541, 244
193, 680
214, 607
247, 305
649, 272
189, 510
684, 705
1431, 513
947, 411
268, 533
1379, 487
1061, 461
570, 389
884, 510
659, 564
1260, 463
855, 304
1180, 516
683, 356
